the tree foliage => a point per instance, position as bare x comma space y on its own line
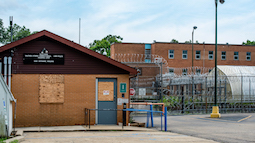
188, 41
18, 33
174, 41
248, 42
105, 44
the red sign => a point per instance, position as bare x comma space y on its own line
132, 91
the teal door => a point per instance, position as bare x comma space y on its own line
107, 99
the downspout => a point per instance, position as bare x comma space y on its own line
9, 72
0, 65
5, 69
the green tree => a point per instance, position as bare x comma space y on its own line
105, 44
248, 42
18, 33
188, 41
174, 41
2, 32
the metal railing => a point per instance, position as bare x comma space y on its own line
88, 115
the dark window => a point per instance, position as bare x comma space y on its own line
184, 54
236, 56
184, 71
198, 56
248, 56
210, 55
223, 55
171, 54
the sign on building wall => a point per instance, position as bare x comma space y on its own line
123, 87
43, 58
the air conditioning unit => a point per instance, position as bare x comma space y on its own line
157, 60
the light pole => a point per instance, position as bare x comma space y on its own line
192, 93
215, 110
11, 20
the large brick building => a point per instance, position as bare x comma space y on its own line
177, 57
55, 79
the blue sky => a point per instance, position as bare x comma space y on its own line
139, 21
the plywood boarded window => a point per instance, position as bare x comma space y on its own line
105, 91
51, 89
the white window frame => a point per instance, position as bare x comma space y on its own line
184, 72
198, 56
210, 55
248, 56
171, 53
236, 56
198, 71
184, 54
171, 71
223, 57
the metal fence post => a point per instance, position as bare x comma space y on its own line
89, 118
124, 115
182, 99
242, 93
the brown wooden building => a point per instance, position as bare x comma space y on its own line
55, 79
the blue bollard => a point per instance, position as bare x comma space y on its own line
151, 116
161, 119
147, 123
165, 119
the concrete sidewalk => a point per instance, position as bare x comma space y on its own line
98, 133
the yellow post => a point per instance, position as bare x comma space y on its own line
215, 112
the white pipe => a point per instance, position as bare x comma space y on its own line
9, 71
1, 66
5, 69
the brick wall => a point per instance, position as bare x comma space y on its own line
162, 49
79, 93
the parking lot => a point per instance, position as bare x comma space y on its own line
232, 128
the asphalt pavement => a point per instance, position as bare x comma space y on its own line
100, 134
230, 128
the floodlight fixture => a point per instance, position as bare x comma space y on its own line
222, 1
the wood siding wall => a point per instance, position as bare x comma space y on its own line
76, 62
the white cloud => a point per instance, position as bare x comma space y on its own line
136, 21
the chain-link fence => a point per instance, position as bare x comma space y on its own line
196, 94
